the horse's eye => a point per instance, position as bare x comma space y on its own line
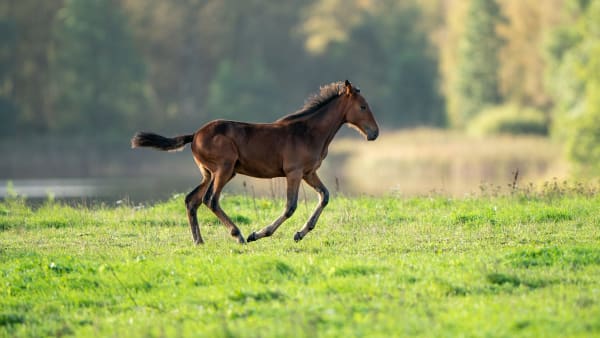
363, 107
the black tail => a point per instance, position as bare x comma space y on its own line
143, 139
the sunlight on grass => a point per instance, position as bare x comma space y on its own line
522, 263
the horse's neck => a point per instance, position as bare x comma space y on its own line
327, 121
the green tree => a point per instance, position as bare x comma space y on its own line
8, 109
478, 64
179, 48
99, 77
521, 74
244, 93
408, 87
386, 51
190, 49
574, 78
26, 43
411, 84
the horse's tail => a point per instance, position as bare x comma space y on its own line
143, 139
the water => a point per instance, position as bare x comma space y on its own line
134, 189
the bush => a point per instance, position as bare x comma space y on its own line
583, 142
509, 119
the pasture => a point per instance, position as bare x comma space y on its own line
522, 263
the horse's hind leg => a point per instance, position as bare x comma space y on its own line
314, 181
208, 195
221, 177
193, 200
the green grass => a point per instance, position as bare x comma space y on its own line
502, 266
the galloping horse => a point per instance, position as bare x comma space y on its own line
292, 147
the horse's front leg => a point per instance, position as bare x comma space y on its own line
314, 181
293, 182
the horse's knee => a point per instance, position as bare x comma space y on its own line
188, 197
324, 198
213, 203
207, 198
208, 194
290, 209
190, 202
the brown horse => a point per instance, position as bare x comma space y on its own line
292, 147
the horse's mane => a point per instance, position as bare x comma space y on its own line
316, 101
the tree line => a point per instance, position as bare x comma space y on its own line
107, 67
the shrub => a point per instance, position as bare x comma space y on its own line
509, 119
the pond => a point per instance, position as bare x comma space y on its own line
134, 190
108, 190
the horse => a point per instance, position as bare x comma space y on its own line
292, 147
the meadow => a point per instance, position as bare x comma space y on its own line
499, 263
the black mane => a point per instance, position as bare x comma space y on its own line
315, 102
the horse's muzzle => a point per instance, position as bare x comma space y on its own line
372, 134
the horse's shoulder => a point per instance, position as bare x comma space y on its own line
297, 127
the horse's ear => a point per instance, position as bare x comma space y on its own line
348, 87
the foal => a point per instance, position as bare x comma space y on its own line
292, 147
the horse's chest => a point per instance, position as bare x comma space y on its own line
323, 154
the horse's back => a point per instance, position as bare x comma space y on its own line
255, 148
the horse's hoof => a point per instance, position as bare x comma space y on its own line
252, 237
241, 240
297, 237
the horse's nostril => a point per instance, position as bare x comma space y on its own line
372, 134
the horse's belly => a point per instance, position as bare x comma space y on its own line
259, 170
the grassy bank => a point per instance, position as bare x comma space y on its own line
522, 264
419, 161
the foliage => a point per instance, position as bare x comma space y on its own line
169, 64
478, 64
8, 110
349, 36
251, 86
509, 119
125, 271
26, 38
522, 63
99, 77
8, 119
405, 91
575, 80
246, 52
173, 65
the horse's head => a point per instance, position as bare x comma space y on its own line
358, 113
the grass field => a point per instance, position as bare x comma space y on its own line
491, 265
